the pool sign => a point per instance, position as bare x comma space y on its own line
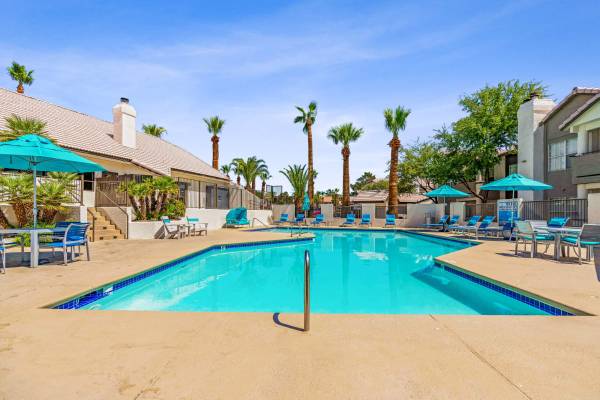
508, 210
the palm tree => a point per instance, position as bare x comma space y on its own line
250, 169
395, 121
307, 119
264, 177
235, 167
214, 126
297, 175
345, 134
226, 169
52, 195
154, 130
17, 126
20, 74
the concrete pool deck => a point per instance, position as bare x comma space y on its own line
163, 355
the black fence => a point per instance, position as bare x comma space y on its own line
574, 209
342, 211
481, 209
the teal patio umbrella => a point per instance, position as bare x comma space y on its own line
446, 191
37, 153
516, 182
306, 203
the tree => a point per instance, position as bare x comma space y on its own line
235, 167
345, 134
21, 75
17, 126
335, 196
395, 121
250, 168
154, 130
51, 197
264, 177
379, 184
214, 126
226, 169
18, 189
307, 119
297, 176
365, 179
150, 198
471, 147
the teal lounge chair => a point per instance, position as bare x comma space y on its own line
390, 220
484, 227
300, 219
471, 222
319, 219
440, 224
283, 218
588, 238
365, 220
350, 220
236, 218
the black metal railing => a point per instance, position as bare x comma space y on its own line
575, 209
342, 211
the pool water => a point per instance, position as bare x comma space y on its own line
351, 272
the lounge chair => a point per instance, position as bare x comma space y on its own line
283, 218
75, 236
319, 219
300, 219
485, 223
5, 244
390, 220
236, 218
588, 238
440, 224
471, 222
485, 227
365, 220
525, 233
194, 226
350, 220
171, 229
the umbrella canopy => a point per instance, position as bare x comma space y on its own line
516, 182
306, 203
446, 191
37, 153
29, 151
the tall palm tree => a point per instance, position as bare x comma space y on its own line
154, 130
297, 175
214, 126
20, 74
235, 167
307, 119
226, 169
17, 126
345, 134
395, 121
264, 177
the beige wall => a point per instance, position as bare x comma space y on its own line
416, 213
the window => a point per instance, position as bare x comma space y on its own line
211, 196
88, 181
559, 154
594, 141
223, 198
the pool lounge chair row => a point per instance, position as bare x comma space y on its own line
177, 230
320, 219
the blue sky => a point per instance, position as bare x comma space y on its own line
251, 62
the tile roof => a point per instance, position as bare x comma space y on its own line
78, 131
584, 107
576, 90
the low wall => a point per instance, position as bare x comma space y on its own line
72, 213
288, 209
458, 208
416, 214
594, 207
214, 218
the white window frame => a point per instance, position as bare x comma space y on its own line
558, 153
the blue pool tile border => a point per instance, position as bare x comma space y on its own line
105, 290
533, 302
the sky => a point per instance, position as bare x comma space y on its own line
252, 62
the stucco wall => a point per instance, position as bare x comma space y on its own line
416, 213
279, 209
594, 207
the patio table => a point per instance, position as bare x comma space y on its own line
558, 233
34, 235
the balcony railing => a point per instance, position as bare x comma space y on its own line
586, 168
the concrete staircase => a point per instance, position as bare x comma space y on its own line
104, 228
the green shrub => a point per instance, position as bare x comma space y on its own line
175, 209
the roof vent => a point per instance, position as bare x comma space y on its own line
124, 100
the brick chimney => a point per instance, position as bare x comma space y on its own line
124, 123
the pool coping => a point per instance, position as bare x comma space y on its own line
542, 303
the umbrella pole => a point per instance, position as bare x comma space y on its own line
34, 197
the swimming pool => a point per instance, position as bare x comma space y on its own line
351, 272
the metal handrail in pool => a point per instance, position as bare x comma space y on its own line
306, 291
